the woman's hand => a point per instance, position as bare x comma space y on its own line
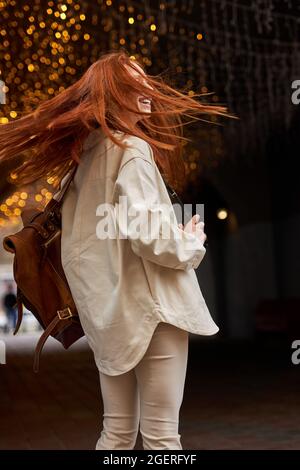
196, 227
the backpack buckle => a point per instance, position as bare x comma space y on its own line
65, 313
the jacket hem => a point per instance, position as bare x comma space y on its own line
159, 315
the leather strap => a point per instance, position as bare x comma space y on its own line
57, 202
20, 312
42, 341
66, 185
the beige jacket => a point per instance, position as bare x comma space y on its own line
123, 287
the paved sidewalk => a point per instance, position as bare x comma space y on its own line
237, 396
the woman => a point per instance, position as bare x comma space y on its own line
137, 296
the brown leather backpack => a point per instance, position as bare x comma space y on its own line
41, 283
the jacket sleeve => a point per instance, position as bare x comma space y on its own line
154, 233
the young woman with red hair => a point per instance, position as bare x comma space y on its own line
137, 296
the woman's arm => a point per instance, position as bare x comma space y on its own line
137, 182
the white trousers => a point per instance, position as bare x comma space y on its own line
148, 397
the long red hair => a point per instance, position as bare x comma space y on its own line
51, 137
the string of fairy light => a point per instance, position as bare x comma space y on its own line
46, 45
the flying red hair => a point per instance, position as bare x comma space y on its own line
51, 137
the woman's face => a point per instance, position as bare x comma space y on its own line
143, 102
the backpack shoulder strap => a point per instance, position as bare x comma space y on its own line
66, 183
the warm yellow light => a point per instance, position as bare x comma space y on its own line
23, 195
13, 114
38, 197
21, 203
3, 120
131, 20
30, 67
222, 214
9, 201
152, 27
199, 36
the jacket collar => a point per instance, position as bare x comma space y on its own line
95, 137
